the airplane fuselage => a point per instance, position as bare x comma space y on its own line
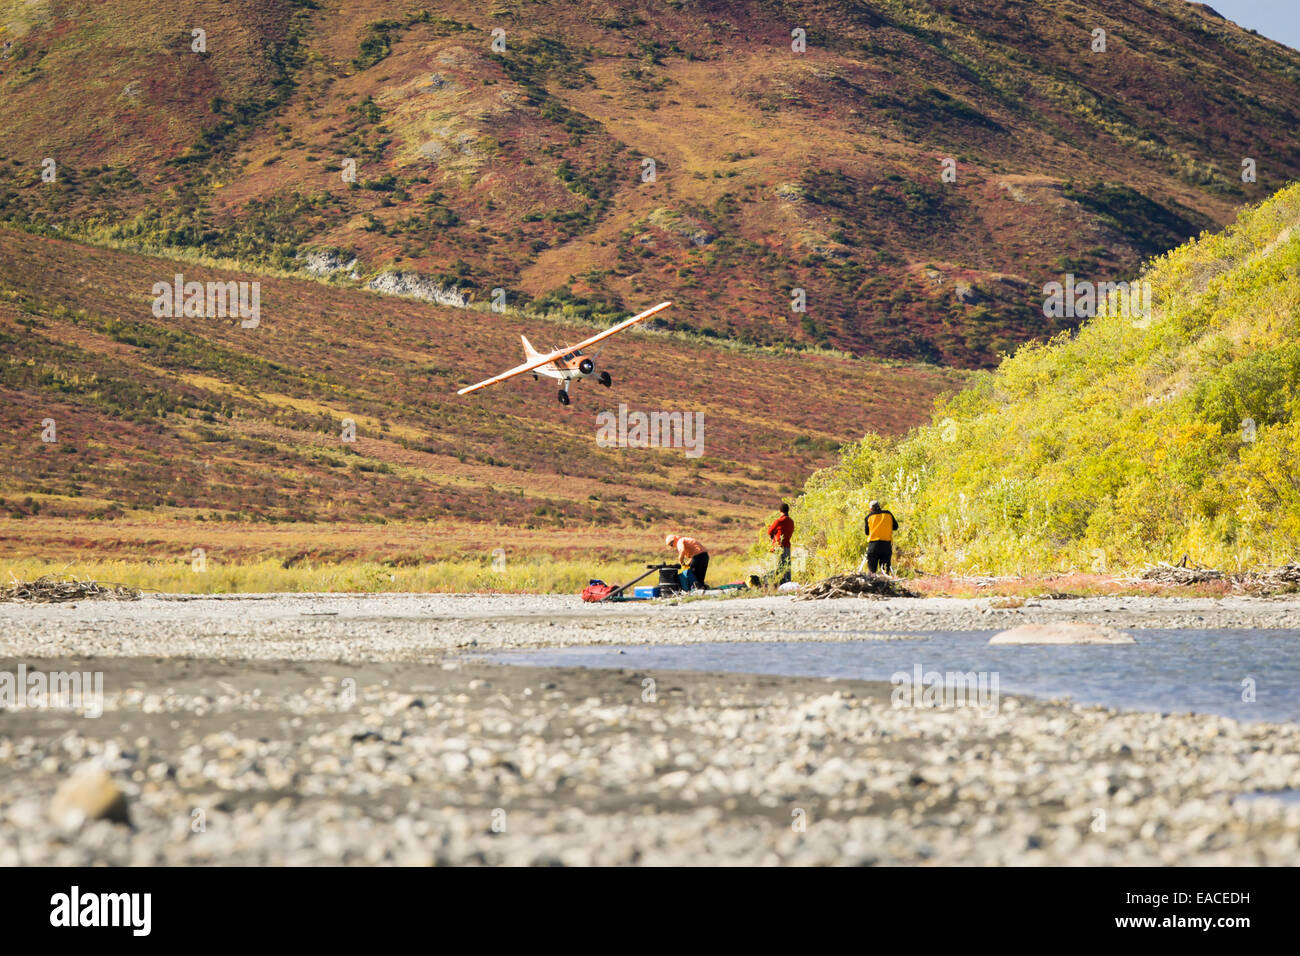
568, 367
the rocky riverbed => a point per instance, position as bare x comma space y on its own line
326, 729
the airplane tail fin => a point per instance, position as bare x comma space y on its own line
529, 351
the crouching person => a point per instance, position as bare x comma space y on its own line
692, 554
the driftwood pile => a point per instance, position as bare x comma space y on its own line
855, 584
1261, 583
48, 589
1273, 581
1163, 573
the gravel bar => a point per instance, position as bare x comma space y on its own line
324, 729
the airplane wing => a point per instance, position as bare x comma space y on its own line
615, 329
552, 356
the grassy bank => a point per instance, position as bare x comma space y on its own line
542, 576
1139, 439
538, 576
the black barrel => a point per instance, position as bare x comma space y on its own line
668, 579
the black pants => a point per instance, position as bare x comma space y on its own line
880, 554
698, 566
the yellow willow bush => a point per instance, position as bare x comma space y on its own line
1135, 439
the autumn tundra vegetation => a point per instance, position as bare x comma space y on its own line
849, 228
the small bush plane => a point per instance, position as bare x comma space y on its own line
568, 364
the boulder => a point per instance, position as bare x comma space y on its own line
1069, 632
88, 794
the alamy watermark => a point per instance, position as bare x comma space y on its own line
127, 910
651, 430
951, 689
211, 300
55, 690
1084, 299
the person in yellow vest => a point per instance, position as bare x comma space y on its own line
881, 525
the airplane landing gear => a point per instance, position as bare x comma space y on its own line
564, 397
605, 379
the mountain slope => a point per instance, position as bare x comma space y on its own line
164, 426
774, 171
1135, 440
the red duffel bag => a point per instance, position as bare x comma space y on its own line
596, 591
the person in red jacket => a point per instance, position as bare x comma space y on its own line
780, 531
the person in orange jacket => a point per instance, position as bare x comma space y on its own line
880, 527
692, 554
780, 531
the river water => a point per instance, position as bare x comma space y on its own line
1251, 675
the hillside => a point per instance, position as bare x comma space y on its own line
176, 433
522, 169
1134, 440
